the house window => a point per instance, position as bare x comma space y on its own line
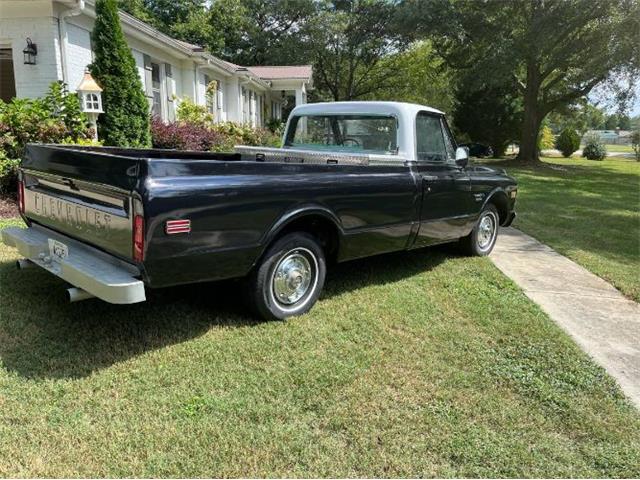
209, 97
156, 88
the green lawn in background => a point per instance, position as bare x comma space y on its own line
412, 364
619, 148
588, 211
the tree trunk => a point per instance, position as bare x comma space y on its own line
528, 152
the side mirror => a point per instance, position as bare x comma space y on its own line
462, 156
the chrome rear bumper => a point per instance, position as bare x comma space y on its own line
96, 272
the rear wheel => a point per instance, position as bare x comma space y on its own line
289, 278
483, 237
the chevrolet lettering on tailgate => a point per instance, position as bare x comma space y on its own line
81, 217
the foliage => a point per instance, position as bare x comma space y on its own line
8, 172
421, 77
219, 137
276, 125
635, 143
125, 121
558, 51
617, 120
259, 32
568, 142
190, 112
546, 140
488, 114
184, 136
579, 116
593, 148
237, 134
54, 118
348, 41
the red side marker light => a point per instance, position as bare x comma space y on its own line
172, 227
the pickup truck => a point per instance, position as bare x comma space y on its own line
352, 179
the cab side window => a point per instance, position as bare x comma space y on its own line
430, 144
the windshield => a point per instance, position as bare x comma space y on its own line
349, 133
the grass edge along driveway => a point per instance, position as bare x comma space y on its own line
412, 364
586, 210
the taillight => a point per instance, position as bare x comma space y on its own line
138, 238
21, 196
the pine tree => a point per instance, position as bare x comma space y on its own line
125, 121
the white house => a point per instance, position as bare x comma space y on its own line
57, 33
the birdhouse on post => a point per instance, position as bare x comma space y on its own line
90, 100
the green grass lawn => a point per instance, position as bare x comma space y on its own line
619, 148
588, 211
412, 364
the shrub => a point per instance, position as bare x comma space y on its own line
8, 172
219, 137
594, 149
189, 112
545, 138
568, 142
184, 136
55, 118
125, 121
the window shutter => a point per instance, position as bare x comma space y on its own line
171, 91
148, 89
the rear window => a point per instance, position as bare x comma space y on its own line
349, 133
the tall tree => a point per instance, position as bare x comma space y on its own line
353, 42
490, 114
259, 32
125, 121
557, 50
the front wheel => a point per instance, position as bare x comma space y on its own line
289, 278
482, 238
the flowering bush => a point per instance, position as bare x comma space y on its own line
55, 118
218, 137
184, 136
189, 112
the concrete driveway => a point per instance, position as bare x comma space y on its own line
600, 319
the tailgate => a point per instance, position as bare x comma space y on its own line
82, 194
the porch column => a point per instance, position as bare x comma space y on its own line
301, 95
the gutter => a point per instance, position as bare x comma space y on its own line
63, 37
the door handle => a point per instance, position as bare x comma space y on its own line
429, 178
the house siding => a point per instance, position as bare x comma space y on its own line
56, 29
43, 32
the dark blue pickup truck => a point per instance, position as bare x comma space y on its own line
352, 179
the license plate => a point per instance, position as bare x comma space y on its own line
58, 250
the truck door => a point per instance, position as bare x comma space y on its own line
446, 209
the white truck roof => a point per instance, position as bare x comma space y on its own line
404, 112
373, 107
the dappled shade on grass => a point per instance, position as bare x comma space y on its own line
412, 364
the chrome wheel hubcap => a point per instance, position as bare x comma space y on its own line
486, 231
292, 277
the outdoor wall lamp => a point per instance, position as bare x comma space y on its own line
30, 53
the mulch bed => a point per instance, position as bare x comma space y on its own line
8, 207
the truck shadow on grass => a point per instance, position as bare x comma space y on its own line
43, 336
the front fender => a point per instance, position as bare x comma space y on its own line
500, 198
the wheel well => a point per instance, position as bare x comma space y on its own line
319, 227
500, 201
